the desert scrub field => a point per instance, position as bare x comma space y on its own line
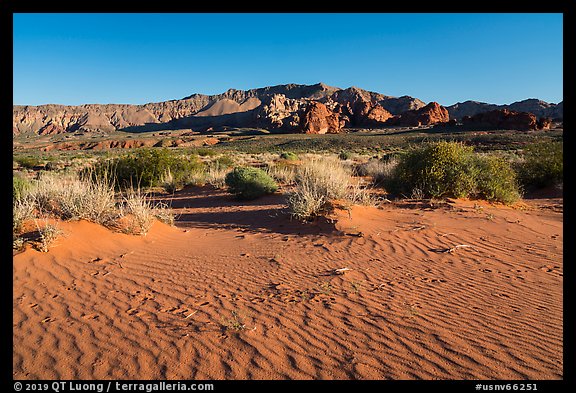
68, 197
107, 187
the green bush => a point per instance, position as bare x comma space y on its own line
148, 168
224, 162
496, 180
250, 183
344, 155
206, 152
29, 162
439, 169
451, 169
543, 165
288, 155
20, 186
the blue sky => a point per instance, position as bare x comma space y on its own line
138, 58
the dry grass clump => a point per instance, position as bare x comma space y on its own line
70, 197
163, 213
318, 181
216, 174
282, 173
139, 210
48, 234
378, 170
22, 210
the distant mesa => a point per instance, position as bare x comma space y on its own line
537, 107
317, 108
505, 119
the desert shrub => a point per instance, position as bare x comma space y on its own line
440, 169
163, 213
73, 198
250, 183
288, 155
29, 162
543, 165
205, 152
22, 210
451, 169
148, 168
55, 166
216, 174
282, 172
168, 182
318, 181
496, 180
224, 162
48, 234
344, 155
379, 170
20, 187
139, 210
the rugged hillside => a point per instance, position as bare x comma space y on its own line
288, 107
537, 107
275, 107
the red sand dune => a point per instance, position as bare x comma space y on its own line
239, 291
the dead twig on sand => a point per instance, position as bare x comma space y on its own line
452, 249
341, 270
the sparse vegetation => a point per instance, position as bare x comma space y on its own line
379, 170
543, 165
48, 234
139, 210
20, 187
216, 174
72, 198
344, 155
250, 183
28, 162
289, 156
233, 323
318, 181
22, 210
149, 168
283, 173
67, 196
452, 169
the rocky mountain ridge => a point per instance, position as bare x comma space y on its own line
315, 108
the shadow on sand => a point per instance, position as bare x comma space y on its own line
211, 208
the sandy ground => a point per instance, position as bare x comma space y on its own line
238, 291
